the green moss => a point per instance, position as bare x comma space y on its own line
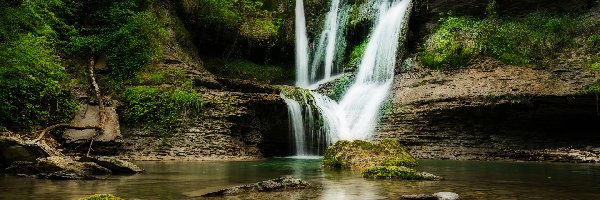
356, 55
596, 66
340, 86
244, 69
360, 154
592, 89
101, 197
390, 172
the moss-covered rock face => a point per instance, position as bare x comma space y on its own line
361, 154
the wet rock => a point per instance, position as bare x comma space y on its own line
435, 196
21, 167
65, 175
429, 176
14, 149
278, 184
115, 165
57, 164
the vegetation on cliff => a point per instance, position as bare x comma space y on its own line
534, 39
157, 110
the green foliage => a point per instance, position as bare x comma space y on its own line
593, 41
390, 172
222, 26
521, 41
129, 36
361, 154
101, 197
157, 110
30, 92
244, 69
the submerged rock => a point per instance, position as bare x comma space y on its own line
361, 154
58, 164
278, 184
115, 165
435, 196
65, 175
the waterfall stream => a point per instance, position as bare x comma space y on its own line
356, 114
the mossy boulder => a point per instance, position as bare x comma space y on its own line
101, 197
395, 172
360, 154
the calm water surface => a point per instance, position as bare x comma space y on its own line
189, 180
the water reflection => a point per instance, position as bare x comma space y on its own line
189, 180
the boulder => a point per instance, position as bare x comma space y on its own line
359, 154
278, 184
115, 165
15, 149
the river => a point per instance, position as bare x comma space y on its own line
189, 180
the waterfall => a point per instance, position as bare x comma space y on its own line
331, 42
310, 138
301, 47
357, 113
359, 107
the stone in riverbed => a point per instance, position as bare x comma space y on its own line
435, 196
65, 175
278, 184
117, 166
56, 164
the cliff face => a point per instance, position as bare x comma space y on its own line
239, 119
492, 111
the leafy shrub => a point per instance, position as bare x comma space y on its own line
30, 92
157, 110
128, 35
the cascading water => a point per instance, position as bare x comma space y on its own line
330, 43
356, 115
